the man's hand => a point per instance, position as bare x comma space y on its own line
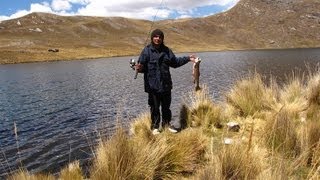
139, 68
192, 58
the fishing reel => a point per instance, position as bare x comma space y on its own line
133, 64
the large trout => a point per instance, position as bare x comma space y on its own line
196, 73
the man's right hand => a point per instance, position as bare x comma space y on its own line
139, 68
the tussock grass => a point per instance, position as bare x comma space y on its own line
313, 88
25, 175
280, 133
250, 96
312, 143
163, 157
313, 96
140, 128
279, 138
114, 158
237, 164
203, 112
232, 162
72, 171
187, 151
292, 96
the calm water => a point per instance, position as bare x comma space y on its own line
60, 107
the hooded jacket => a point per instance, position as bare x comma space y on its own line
156, 67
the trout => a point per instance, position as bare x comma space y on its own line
196, 73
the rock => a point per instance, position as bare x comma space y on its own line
228, 141
38, 30
272, 42
53, 50
293, 29
35, 30
233, 126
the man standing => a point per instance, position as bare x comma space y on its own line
155, 61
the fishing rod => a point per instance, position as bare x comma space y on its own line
133, 62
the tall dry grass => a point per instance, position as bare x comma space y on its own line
202, 111
232, 162
280, 133
114, 158
72, 171
279, 138
164, 157
251, 96
23, 174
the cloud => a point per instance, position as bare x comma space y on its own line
140, 9
40, 7
37, 7
61, 5
146, 9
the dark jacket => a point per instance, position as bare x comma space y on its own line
156, 64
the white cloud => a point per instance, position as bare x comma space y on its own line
184, 16
61, 5
146, 9
43, 7
140, 9
37, 7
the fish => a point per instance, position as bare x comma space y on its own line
196, 73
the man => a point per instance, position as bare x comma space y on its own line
155, 61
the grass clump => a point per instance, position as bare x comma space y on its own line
114, 158
280, 133
163, 157
25, 175
72, 171
250, 96
237, 164
203, 112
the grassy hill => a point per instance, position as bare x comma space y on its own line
254, 24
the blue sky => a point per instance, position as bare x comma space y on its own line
140, 9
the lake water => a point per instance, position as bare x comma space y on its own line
60, 108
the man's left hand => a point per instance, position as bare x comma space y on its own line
192, 58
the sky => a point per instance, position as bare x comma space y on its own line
138, 9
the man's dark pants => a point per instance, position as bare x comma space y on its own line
155, 100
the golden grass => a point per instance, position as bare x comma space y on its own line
280, 133
114, 158
279, 138
25, 175
163, 157
237, 164
72, 171
202, 111
251, 96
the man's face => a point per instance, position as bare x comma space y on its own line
157, 40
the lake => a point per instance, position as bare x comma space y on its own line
61, 108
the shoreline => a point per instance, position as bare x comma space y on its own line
65, 56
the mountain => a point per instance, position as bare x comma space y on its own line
251, 24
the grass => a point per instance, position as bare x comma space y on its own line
250, 96
279, 138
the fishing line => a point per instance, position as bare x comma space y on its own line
132, 61
154, 18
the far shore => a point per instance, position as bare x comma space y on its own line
43, 55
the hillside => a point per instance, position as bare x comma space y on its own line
251, 24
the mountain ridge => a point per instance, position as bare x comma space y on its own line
251, 24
